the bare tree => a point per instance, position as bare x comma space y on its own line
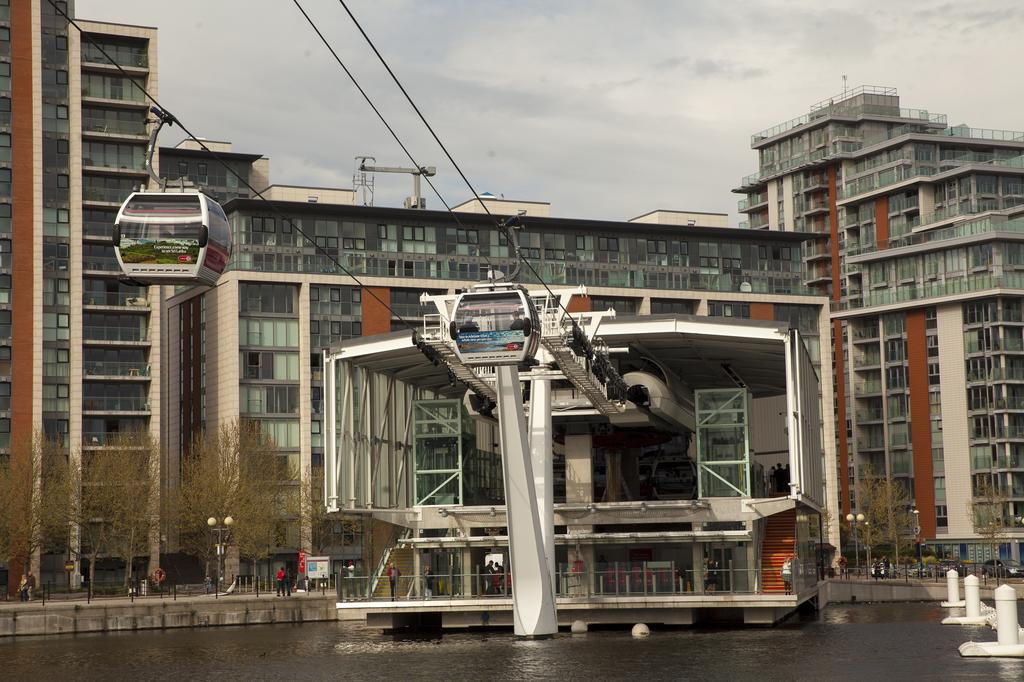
33, 516
320, 527
134, 515
888, 508
113, 496
235, 472
987, 509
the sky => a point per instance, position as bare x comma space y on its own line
606, 109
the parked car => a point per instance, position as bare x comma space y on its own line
1005, 569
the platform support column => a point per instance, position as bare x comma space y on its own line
532, 603
541, 446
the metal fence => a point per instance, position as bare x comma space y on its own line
613, 581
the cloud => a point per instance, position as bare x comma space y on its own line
607, 109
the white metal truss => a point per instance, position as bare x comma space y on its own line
556, 334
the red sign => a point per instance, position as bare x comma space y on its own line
302, 561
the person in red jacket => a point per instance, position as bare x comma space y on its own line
393, 575
280, 582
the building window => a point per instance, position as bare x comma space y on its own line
728, 309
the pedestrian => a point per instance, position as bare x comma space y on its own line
31, 585
393, 575
772, 486
208, 584
288, 578
350, 572
488, 570
779, 485
23, 588
280, 582
787, 574
887, 566
710, 575
428, 583
843, 572
785, 479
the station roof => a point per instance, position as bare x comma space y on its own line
703, 352
707, 352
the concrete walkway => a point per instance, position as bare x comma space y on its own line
113, 614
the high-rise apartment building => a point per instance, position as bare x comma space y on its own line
76, 345
921, 254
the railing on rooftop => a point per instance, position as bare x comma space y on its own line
850, 109
884, 90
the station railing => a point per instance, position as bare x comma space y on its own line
614, 581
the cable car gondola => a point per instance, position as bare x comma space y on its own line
172, 238
495, 324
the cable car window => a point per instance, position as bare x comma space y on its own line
176, 238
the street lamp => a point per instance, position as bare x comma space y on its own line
221, 528
854, 520
917, 536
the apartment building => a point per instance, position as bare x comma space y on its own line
75, 343
920, 253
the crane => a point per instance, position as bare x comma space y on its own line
415, 201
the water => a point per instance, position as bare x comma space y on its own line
881, 642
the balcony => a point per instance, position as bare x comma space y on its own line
115, 335
115, 370
865, 388
100, 439
929, 290
865, 416
105, 299
122, 55
105, 127
105, 196
101, 265
867, 361
108, 405
102, 232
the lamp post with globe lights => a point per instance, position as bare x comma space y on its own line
917, 537
854, 520
221, 527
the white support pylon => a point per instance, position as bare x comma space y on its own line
541, 446
533, 603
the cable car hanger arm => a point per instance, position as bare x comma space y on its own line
163, 118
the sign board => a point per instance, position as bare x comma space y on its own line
302, 562
318, 566
69, 566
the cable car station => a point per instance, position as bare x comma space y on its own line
614, 478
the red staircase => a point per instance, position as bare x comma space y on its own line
778, 544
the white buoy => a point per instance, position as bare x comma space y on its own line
641, 630
952, 590
578, 627
1007, 630
972, 596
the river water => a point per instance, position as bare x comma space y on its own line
882, 642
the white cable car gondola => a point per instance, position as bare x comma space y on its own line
172, 238
495, 324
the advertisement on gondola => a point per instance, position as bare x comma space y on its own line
175, 251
